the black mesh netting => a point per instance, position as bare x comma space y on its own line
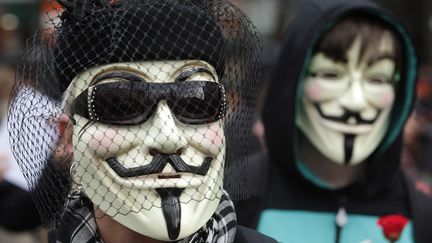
123, 99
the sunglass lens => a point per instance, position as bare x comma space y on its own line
121, 104
197, 102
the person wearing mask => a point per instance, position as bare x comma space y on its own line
139, 145
340, 95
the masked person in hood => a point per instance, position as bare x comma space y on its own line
341, 92
132, 146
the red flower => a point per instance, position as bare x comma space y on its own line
392, 226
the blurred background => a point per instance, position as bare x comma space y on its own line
20, 18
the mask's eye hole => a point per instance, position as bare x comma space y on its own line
326, 74
379, 79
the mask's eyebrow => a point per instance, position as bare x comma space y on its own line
378, 57
129, 76
186, 74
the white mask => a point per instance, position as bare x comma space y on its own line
134, 201
345, 107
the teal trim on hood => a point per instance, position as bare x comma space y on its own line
410, 79
306, 172
411, 75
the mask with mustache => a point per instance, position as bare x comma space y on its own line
155, 172
345, 106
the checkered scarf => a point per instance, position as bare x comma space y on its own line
78, 224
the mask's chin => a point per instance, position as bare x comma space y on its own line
139, 205
190, 216
341, 142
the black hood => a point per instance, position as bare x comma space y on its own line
311, 21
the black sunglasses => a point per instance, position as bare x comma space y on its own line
132, 103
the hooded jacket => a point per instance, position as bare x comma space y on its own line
297, 208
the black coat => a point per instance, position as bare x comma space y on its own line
17, 209
246, 235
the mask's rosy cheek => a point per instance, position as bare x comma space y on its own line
209, 139
215, 135
96, 140
313, 91
106, 141
387, 100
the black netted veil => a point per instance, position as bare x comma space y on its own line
87, 38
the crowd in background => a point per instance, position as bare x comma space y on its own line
19, 19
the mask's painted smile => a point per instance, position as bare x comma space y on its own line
349, 122
166, 176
